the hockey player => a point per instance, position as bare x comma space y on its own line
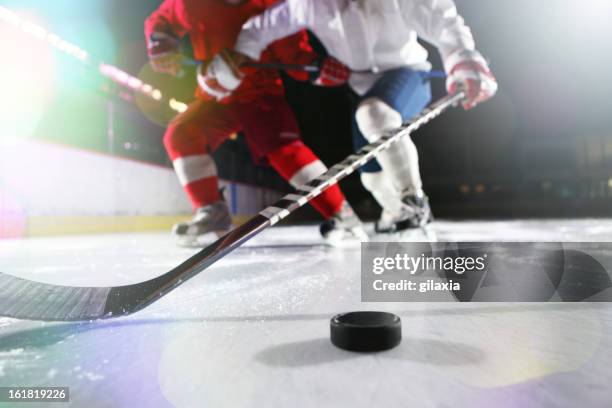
256, 107
386, 66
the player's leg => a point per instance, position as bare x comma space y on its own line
297, 164
375, 180
272, 132
398, 96
189, 140
398, 188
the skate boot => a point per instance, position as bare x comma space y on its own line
415, 214
208, 223
344, 229
386, 223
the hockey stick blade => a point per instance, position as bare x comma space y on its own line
26, 299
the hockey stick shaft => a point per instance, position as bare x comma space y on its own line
275, 213
282, 67
189, 62
262, 65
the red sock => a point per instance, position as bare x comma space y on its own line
297, 164
203, 192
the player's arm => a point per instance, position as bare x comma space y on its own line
280, 21
437, 22
283, 28
297, 50
163, 31
223, 75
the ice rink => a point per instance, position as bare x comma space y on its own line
253, 330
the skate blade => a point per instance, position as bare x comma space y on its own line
200, 241
423, 234
347, 240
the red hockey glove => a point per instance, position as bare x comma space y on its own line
332, 73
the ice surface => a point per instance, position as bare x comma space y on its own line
253, 330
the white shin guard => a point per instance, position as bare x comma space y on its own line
401, 161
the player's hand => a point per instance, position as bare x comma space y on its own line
474, 77
164, 54
332, 73
222, 75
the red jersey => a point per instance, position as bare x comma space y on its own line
214, 25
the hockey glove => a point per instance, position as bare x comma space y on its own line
164, 53
222, 75
332, 73
470, 73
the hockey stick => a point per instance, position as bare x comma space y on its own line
25, 299
282, 67
189, 62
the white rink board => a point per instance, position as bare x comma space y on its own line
253, 330
47, 179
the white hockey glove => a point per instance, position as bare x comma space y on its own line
469, 71
221, 76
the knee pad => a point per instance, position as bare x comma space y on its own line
375, 117
181, 140
175, 138
169, 137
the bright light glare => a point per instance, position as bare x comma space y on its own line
22, 98
125, 79
26, 81
37, 31
12, 216
593, 12
178, 106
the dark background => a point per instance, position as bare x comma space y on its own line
543, 146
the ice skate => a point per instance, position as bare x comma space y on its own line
344, 229
413, 223
415, 214
208, 224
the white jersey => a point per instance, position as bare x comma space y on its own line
367, 35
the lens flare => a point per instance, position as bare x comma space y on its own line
12, 216
27, 82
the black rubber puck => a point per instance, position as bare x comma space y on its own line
366, 331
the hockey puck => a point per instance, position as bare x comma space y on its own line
366, 331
